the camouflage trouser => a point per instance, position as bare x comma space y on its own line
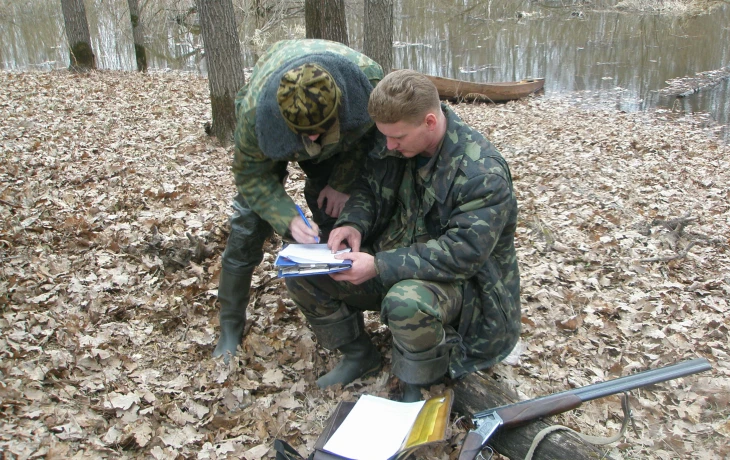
244, 248
415, 311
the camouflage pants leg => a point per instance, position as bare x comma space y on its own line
416, 312
321, 296
244, 248
334, 309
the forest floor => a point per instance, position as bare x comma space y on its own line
113, 217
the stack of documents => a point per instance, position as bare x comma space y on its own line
309, 259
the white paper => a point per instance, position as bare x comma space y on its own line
311, 254
374, 429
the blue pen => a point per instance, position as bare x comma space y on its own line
301, 213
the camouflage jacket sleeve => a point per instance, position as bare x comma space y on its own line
257, 180
482, 207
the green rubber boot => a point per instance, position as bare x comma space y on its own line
233, 295
345, 331
360, 359
420, 370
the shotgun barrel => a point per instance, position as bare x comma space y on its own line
621, 384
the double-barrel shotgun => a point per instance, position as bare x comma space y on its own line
521, 413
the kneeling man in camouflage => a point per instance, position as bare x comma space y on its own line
431, 223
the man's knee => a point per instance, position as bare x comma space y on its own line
407, 299
411, 313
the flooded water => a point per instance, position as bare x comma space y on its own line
593, 53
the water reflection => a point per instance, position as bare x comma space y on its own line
628, 56
30, 35
620, 58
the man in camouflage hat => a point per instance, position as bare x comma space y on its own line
306, 101
431, 223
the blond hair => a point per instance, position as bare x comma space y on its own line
403, 95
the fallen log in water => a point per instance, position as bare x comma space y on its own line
687, 86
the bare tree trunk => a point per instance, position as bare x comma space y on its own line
378, 41
326, 19
225, 63
77, 33
140, 52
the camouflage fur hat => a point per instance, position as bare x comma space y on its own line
308, 99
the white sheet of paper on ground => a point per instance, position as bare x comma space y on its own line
374, 429
311, 254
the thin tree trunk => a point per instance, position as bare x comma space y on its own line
378, 41
326, 19
140, 52
77, 32
225, 63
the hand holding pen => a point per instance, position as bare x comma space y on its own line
303, 230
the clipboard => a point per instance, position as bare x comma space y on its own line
288, 268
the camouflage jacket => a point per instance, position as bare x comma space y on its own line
468, 218
262, 138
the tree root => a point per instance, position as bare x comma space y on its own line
676, 233
679, 255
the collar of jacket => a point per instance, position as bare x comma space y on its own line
449, 156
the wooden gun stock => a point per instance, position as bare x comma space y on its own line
520, 414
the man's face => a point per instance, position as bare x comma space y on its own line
408, 138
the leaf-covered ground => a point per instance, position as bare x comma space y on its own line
113, 216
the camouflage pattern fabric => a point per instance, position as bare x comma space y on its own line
469, 213
308, 98
415, 311
255, 171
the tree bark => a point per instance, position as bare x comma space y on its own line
225, 63
477, 392
326, 19
140, 52
378, 40
81, 55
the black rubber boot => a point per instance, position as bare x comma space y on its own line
420, 370
360, 359
412, 392
345, 331
233, 295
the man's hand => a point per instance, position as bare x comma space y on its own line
363, 268
340, 235
334, 200
302, 233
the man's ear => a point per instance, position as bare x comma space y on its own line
431, 121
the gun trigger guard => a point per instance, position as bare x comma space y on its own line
491, 453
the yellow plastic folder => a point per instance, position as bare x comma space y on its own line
380, 429
431, 422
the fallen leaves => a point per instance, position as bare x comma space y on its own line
114, 208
